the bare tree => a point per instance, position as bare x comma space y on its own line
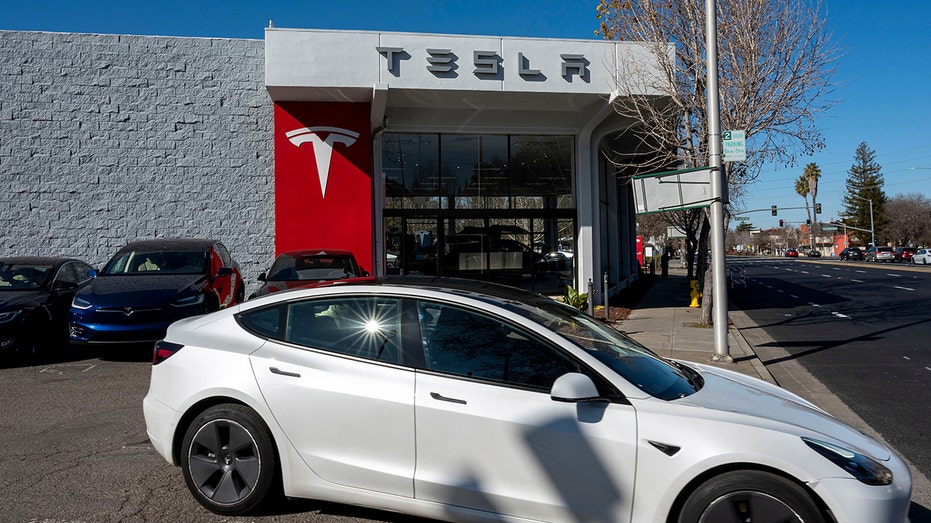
908, 219
776, 62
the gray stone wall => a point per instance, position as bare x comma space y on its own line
105, 139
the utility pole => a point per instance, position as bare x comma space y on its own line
718, 179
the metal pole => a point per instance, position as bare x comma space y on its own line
872, 230
719, 282
607, 307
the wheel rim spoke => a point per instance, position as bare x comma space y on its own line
224, 461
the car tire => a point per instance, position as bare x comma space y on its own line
738, 495
229, 461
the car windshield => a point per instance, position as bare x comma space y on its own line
637, 364
157, 262
314, 267
20, 277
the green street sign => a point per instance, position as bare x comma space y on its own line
742, 218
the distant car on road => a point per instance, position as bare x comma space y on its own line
905, 254
882, 253
791, 253
922, 256
35, 295
295, 269
814, 253
851, 253
149, 284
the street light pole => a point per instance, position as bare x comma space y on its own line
719, 281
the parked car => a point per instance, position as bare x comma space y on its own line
35, 295
465, 400
149, 284
904, 254
298, 268
814, 253
791, 253
851, 253
882, 253
922, 256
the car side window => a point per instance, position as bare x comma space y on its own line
470, 344
367, 327
225, 258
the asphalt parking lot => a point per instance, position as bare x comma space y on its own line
76, 450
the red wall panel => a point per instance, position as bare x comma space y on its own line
323, 178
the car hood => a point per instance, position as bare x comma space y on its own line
12, 299
733, 396
139, 291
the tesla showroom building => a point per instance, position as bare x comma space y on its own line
468, 156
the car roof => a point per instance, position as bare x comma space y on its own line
37, 260
168, 244
472, 288
317, 252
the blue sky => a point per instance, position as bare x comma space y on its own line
884, 75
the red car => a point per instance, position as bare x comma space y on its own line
298, 268
905, 253
791, 253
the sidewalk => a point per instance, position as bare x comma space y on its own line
664, 322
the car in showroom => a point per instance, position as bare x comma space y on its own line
294, 269
148, 284
851, 253
35, 296
922, 257
470, 401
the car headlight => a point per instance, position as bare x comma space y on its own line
8, 316
196, 299
864, 468
80, 303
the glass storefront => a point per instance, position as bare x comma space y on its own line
488, 207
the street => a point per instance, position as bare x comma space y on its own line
860, 329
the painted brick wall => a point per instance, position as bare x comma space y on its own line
109, 138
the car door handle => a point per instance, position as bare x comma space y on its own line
276, 370
440, 397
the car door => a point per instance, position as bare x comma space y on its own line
490, 437
331, 375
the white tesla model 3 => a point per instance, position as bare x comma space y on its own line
466, 401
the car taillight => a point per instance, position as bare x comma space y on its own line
164, 350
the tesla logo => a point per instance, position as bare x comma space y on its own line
128, 311
323, 147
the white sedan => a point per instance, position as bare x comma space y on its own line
922, 256
466, 401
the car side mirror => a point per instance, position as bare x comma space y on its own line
263, 277
92, 273
225, 271
575, 387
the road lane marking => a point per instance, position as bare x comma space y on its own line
893, 275
793, 296
903, 288
856, 281
813, 304
839, 315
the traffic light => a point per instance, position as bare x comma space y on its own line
808, 223
774, 210
817, 208
780, 223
